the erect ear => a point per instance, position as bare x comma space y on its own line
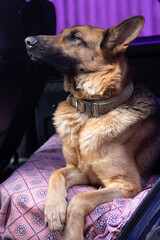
119, 37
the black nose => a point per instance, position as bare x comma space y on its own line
31, 41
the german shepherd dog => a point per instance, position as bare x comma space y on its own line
109, 129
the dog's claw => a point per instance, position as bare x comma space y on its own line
62, 221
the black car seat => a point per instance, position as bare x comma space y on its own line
21, 81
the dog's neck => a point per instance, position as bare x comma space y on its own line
97, 108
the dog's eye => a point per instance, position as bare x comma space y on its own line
74, 36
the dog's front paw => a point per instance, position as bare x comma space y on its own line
55, 213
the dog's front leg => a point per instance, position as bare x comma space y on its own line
56, 199
82, 204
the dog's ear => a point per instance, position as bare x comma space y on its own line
119, 37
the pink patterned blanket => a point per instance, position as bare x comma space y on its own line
23, 195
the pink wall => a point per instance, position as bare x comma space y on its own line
107, 13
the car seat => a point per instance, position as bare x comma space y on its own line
21, 81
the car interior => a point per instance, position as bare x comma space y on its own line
30, 149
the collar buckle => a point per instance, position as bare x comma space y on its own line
92, 109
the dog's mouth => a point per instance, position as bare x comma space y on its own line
34, 59
61, 63
43, 58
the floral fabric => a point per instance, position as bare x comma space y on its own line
23, 194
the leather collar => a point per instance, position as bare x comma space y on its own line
97, 108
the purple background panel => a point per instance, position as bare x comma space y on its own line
107, 13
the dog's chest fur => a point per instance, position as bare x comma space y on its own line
82, 134
101, 139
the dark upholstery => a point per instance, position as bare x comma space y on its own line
21, 81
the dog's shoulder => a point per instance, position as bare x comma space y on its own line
142, 103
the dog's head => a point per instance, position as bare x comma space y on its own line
91, 58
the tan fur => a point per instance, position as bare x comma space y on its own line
114, 150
